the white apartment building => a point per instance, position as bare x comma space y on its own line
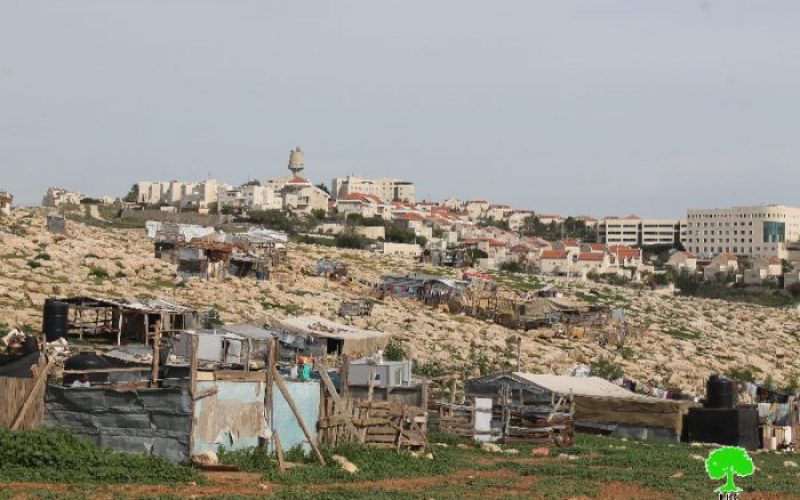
387, 189
762, 231
633, 230
56, 197
250, 197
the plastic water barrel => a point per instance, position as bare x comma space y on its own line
55, 322
720, 393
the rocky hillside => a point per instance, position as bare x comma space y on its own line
680, 343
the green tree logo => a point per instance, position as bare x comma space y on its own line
727, 462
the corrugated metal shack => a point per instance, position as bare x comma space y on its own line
599, 404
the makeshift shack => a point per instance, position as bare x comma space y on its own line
56, 224
204, 260
317, 336
600, 405
331, 269
128, 319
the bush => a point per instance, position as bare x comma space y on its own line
98, 272
211, 319
605, 368
56, 455
511, 267
395, 351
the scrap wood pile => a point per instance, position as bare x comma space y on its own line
524, 426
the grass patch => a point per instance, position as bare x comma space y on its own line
56, 455
682, 333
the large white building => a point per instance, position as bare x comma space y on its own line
634, 230
56, 197
387, 189
758, 231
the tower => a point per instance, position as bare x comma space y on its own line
296, 164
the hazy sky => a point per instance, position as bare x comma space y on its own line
598, 107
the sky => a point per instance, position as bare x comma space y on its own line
596, 107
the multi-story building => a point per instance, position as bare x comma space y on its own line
387, 189
5, 202
56, 197
633, 230
250, 197
757, 232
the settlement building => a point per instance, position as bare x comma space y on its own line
387, 189
57, 197
633, 230
756, 231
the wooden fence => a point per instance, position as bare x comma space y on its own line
13, 394
383, 424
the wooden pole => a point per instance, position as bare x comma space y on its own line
296, 412
276, 438
156, 355
193, 387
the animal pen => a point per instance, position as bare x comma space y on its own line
507, 413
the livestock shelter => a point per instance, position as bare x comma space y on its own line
600, 405
127, 318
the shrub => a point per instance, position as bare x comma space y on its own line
98, 272
605, 368
56, 455
395, 351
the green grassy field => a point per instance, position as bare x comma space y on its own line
594, 467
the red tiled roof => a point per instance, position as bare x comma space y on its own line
496, 243
412, 216
569, 243
298, 180
590, 256
597, 247
773, 261
554, 254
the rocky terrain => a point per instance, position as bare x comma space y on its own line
680, 341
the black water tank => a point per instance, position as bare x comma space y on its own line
720, 393
86, 361
56, 319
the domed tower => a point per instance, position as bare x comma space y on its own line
296, 164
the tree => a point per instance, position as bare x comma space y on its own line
323, 187
727, 462
133, 194
254, 182
211, 319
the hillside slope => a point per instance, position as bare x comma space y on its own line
683, 341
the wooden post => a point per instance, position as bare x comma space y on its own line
276, 438
119, 329
296, 412
193, 364
268, 364
40, 379
192, 387
156, 355
146, 328
344, 376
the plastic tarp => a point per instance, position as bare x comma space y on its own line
151, 421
